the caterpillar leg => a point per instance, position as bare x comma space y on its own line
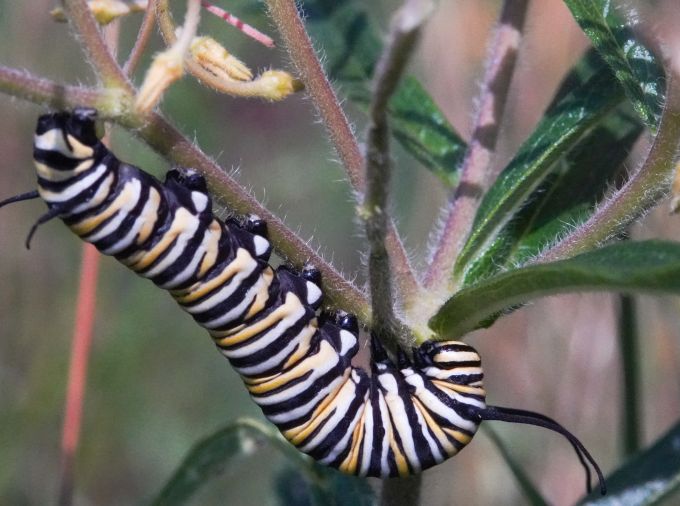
348, 321
256, 225
188, 178
300, 284
312, 276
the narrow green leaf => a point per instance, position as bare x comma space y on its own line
531, 493
631, 369
561, 128
634, 65
351, 47
566, 198
648, 478
419, 125
647, 266
210, 457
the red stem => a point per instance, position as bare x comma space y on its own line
80, 353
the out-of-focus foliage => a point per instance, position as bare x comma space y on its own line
304, 483
650, 477
351, 44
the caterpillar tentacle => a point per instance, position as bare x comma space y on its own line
402, 418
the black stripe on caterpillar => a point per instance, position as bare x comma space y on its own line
295, 362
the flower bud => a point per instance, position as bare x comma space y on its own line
214, 58
105, 11
165, 69
277, 84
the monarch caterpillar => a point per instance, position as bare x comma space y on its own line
295, 362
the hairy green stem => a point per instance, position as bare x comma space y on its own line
24, 85
90, 36
171, 144
311, 72
476, 170
292, 29
145, 31
630, 368
644, 189
164, 138
402, 41
188, 32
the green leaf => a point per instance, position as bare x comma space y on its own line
210, 457
634, 65
566, 198
315, 484
564, 124
330, 488
648, 266
647, 478
531, 493
351, 47
419, 125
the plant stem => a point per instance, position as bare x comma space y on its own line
145, 31
403, 37
648, 185
171, 144
22, 84
476, 171
630, 369
299, 46
77, 375
292, 29
191, 20
95, 47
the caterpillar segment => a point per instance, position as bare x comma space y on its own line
296, 362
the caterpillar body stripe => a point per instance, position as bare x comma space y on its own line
405, 416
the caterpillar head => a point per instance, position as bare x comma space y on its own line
63, 140
451, 361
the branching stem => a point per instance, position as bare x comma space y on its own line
374, 212
292, 29
476, 171
188, 32
311, 72
145, 31
165, 139
171, 144
22, 84
95, 47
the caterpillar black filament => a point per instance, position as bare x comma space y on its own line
296, 364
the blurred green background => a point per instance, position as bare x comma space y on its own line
156, 385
